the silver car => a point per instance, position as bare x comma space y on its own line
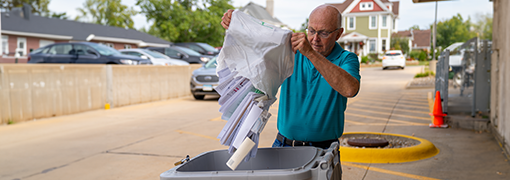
204, 80
155, 57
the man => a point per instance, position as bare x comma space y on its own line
313, 99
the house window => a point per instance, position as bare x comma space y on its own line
372, 45
383, 45
5, 45
351, 23
127, 46
21, 46
394, 26
43, 43
384, 22
366, 6
109, 45
372, 21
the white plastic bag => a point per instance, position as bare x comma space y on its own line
258, 51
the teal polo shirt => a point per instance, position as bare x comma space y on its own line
309, 108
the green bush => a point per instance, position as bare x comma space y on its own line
414, 54
423, 56
364, 59
424, 74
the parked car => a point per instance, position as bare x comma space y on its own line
82, 52
155, 57
202, 48
183, 53
204, 80
393, 58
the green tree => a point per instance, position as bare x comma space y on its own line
400, 43
453, 30
39, 7
304, 26
415, 27
107, 12
186, 20
483, 26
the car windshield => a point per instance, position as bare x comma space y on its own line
104, 50
207, 47
188, 51
211, 63
393, 54
155, 54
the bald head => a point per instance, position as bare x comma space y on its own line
325, 20
329, 13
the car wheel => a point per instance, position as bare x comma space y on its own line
198, 97
384, 68
402, 67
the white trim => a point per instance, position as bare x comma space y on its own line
370, 22
381, 5
351, 37
354, 23
47, 36
22, 49
358, 14
369, 44
369, 6
144, 44
351, 6
382, 22
6, 45
44, 42
385, 44
127, 46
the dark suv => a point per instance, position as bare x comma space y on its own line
82, 52
202, 48
186, 54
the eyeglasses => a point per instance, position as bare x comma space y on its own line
321, 33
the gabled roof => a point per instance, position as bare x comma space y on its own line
14, 22
421, 38
353, 36
259, 12
344, 6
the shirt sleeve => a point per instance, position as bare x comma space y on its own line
351, 65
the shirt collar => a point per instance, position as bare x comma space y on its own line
335, 54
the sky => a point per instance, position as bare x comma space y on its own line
294, 12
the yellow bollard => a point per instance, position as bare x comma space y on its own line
107, 106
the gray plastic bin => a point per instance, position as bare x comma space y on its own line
284, 163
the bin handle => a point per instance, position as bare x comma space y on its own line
182, 161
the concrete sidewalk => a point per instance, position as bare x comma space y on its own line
142, 141
464, 154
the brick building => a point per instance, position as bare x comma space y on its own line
22, 32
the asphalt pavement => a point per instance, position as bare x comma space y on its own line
142, 141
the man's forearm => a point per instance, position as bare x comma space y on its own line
339, 79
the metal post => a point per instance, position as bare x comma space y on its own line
434, 36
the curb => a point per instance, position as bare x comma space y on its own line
421, 151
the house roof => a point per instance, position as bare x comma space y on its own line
342, 6
261, 13
14, 21
421, 38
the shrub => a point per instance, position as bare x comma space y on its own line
364, 59
424, 74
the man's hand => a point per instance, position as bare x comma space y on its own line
225, 20
300, 42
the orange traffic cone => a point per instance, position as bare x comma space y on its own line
437, 112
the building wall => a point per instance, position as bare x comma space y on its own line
32, 91
500, 74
